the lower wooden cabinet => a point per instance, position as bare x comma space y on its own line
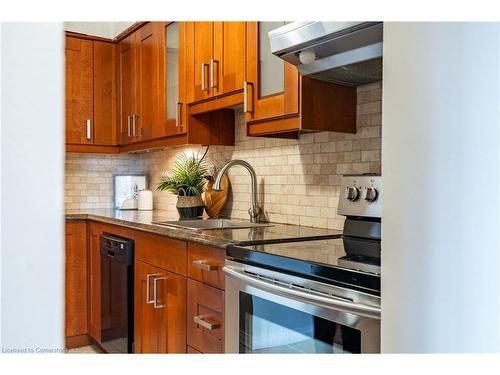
205, 318
159, 309
76, 274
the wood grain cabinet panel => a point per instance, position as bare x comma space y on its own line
105, 94
160, 310
127, 71
90, 92
79, 55
229, 57
94, 231
205, 317
76, 280
205, 264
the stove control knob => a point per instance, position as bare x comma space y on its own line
351, 193
370, 194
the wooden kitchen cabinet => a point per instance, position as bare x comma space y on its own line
159, 309
281, 103
94, 231
76, 281
79, 55
216, 61
172, 77
205, 264
90, 94
205, 317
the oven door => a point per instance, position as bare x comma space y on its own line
270, 312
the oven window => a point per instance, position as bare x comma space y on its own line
268, 327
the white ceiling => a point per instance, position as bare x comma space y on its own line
102, 29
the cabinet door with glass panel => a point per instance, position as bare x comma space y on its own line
272, 85
173, 108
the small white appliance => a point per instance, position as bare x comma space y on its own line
145, 200
126, 188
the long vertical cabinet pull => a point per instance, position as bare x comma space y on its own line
214, 83
178, 119
129, 130
204, 86
148, 292
89, 132
157, 305
245, 97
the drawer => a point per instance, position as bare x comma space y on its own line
205, 317
205, 264
163, 252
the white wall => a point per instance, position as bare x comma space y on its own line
102, 29
440, 160
32, 157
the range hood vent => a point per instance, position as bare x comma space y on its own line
348, 53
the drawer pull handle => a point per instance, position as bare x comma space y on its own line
201, 320
202, 264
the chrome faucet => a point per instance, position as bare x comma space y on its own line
254, 210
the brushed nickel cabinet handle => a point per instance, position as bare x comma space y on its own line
202, 264
214, 83
89, 125
129, 131
148, 282
201, 320
245, 97
178, 115
156, 305
203, 81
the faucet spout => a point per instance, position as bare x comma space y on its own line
253, 211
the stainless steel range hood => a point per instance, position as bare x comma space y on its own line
348, 53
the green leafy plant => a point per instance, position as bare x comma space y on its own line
187, 177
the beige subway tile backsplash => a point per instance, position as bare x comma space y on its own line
299, 180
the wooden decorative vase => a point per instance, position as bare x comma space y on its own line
215, 200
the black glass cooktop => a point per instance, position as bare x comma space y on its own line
321, 260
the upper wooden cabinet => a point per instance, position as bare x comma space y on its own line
139, 87
172, 78
90, 92
279, 102
215, 60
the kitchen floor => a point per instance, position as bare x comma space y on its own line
90, 349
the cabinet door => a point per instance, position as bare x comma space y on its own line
172, 101
273, 85
200, 52
145, 125
160, 310
76, 279
228, 65
104, 126
94, 232
128, 88
79, 91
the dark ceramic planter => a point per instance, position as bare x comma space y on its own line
190, 212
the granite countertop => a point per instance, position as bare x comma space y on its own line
143, 220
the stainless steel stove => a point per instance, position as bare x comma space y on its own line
361, 203
318, 295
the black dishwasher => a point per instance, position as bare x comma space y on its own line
117, 293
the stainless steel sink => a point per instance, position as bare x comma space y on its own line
207, 224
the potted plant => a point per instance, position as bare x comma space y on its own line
187, 181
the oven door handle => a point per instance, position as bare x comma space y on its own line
314, 299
